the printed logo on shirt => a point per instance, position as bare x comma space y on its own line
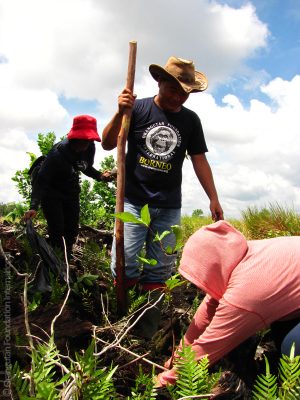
155, 164
161, 141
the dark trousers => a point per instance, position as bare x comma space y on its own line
242, 358
62, 216
280, 329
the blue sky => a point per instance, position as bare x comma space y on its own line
61, 58
283, 20
281, 57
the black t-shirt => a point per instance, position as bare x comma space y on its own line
157, 144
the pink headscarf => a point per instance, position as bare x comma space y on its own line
210, 255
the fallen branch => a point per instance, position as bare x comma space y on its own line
100, 232
138, 357
121, 335
68, 292
199, 396
133, 361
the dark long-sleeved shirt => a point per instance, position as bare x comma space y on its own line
59, 172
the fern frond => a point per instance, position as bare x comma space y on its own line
88, 363
99, 386
265, 386
193, 376
293, 393
135, 302
44, 359
93, 382
19, 382
289, 374
144, 386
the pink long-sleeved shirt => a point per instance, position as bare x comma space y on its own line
249, 285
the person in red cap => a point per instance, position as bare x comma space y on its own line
56, 186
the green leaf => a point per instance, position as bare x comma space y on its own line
88, 279
158, 237
145, 215
177, 230
36, 301
174, 282
128, 217
169, 250
265, 386
64, 379
150, 261
32, 156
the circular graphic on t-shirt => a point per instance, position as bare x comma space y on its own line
161, 141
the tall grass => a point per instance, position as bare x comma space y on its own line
270, 222
190, 224
264, 223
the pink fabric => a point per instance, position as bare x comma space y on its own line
249, 284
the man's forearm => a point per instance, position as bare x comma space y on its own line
205, 176
111, 131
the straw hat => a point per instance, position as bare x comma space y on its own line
183, 72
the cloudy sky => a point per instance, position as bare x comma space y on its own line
60, 58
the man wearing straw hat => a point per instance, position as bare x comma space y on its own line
162, 131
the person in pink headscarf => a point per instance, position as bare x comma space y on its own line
249, 285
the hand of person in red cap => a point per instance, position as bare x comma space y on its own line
29, 214
109, 176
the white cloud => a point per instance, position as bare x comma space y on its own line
13, 147
255, 155
284, 93
79, 47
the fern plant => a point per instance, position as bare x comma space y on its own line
135, 300
84, 381
40, 382
265, 387
284, 387
19, 383
92, 382
144, 387
193, 376
289, 376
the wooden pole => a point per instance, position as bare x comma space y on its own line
121, 149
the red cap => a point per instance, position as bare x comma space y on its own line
84, 128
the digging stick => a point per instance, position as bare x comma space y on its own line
121, 146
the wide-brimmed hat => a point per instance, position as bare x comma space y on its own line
84, 128
183, 72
